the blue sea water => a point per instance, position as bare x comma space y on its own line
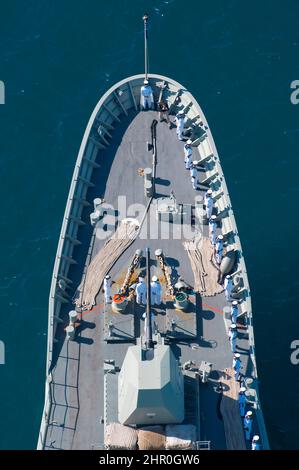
238, 59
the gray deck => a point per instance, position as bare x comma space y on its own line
76, 420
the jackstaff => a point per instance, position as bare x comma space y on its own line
145, 19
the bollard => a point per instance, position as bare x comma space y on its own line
73, 317
97, 202
70, 332
148, 173
94, 217
148, 188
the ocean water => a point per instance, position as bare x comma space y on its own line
238, 59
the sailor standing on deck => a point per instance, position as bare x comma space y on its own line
219, 249
163, 112
228, 287
146, 98
248, 425
107, 288
237, 365
188, 162
233, 337
193, 174
188, 149
212, 229
209, 203
242, 401
155, 291
141, 291
255, 445
234, 311
180, 123
188, 154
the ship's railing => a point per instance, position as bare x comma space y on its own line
246, 300
64, 259
196, 117
114, 104
109, 110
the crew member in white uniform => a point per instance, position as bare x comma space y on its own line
228, 287
188, 149
107, 288
188, 154
233, 337
212, 229
248, 425
242, 401
141, 291
219, 249
193, 174
180, 123
146, 98
255, 445
234, 311
188, 162
209, 203
155, 291
237, 365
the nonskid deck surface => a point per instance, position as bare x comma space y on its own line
76, 420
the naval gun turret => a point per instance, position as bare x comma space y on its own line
150, 391
150, 383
